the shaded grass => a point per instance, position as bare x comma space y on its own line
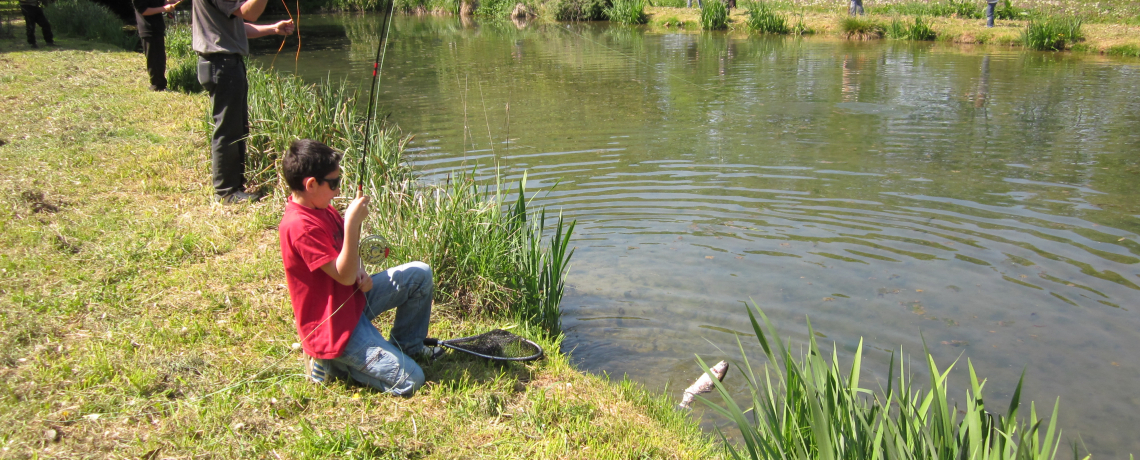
90, 21
809, 407
182, 74
141, 319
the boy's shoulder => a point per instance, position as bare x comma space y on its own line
301, 218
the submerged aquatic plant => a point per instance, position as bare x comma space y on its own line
811, 408
714, 15
1052, 33
627, 12
919, 30
761, 18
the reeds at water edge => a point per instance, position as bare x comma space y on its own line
811, 408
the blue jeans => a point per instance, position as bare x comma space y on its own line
384, 364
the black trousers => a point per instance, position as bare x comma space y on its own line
223, 75
154, 48
35, 15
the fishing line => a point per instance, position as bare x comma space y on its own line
283, 39
377, 70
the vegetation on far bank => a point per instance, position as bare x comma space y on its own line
142, 319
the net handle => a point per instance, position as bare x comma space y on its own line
432, 342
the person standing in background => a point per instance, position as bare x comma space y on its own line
152, 32
990, 5
221, 39
34, 14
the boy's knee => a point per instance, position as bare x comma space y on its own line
422, 272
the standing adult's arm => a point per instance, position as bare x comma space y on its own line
250, 10
278, 28
160, 9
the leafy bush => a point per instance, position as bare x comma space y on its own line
714, 15
494, 8
810, 408
627, 12
762, 19
860, 28
90, 21
1052, 33
1006, 10
580, 10
902, 30
183, 74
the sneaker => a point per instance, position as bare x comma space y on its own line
322, 370
237, 197
428, 353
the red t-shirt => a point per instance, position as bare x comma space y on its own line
311, 238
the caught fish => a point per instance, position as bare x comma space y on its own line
703, 384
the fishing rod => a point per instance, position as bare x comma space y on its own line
377, 65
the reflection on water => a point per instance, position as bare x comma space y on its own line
982, 200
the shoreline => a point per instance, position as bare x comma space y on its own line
142, 318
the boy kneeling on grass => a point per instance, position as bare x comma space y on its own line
334, 298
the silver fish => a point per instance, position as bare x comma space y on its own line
703, 384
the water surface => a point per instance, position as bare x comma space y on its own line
983, 200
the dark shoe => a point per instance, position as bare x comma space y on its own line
155, 88
33, 45
238, 197
52, 44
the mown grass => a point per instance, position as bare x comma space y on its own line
811, 408
90, 21
142, 320
627, 12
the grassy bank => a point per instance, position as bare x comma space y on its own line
1107, 34
141, 319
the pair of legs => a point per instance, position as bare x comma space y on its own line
384, 364
223, 75
154, 48
35, 15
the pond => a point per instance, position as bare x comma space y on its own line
983, 201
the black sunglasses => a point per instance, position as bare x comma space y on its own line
334, 183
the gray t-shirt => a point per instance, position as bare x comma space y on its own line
218, 28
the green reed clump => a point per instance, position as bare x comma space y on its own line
811, 408
919, 30
283, 108
1123, 50
183, 75
443, 6
486, 253
669, 3
90, 21
714, 15
860, 28
627, 12
761, 18
1052, 33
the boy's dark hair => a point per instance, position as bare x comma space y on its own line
308, 158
